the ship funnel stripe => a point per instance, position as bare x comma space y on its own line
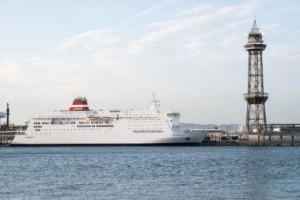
79, 103
79, 106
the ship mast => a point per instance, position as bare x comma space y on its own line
155, 103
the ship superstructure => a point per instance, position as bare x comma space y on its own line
81, 126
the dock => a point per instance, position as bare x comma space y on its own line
276, 135
6, 137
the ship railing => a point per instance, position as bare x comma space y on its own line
12, 133
20, 132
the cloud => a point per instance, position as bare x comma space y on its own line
198, 10
153, 8
97, 38
270, 29
227, 42
187, 26
9, 69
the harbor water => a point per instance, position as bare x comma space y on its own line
150, 173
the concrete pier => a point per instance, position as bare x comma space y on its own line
277, 139
275, 135
282, 134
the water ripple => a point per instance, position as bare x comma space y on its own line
150, 173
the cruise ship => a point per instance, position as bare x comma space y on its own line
81, 126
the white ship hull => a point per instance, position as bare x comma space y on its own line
108, 139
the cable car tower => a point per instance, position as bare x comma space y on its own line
256, 97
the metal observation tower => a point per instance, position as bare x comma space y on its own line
256, 97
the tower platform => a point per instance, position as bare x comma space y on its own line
256, 98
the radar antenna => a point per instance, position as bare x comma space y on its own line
155, 103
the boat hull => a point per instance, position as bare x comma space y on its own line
94, 139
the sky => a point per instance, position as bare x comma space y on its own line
116, 53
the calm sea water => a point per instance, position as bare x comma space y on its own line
150, 173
